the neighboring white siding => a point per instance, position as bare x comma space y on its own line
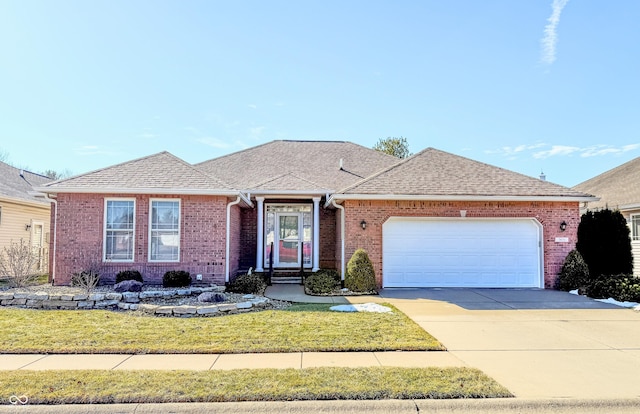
13, 221
635, 244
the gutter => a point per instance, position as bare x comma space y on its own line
55, 234
228, 247
342, 232
410, 197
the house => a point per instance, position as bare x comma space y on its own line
434, 219
618, 189
23, 215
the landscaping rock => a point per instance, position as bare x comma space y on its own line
207, 310
37, 296
214, 297
130, 297
80, 296
146, 308
164, 310
150, 294
184, 310
96, 296
244, 305
128, 286
227, 307
113, 296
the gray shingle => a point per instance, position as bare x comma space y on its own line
15, 185
616, 188
438, 173
316, 162
162, 171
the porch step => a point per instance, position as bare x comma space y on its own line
291, 280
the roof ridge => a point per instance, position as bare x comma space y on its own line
609, 172
233, 153
199, 171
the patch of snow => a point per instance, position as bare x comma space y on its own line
361, 307
574, 292
618, 303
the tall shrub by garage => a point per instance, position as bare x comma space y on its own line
574, 273
604, 243
360, 275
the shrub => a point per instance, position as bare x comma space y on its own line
86, 279
176, 278
620, 287
360, 275
604, 243
574, 273
17, 264
322, 282
248, 283
129, 275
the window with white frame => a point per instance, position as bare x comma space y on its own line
164, 231
635, 227
119, 228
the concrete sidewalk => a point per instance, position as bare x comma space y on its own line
204, 362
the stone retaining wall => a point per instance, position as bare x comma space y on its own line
131, 301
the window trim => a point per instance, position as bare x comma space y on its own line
151, 201
635, 238
104, 231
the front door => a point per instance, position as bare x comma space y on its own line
287, 243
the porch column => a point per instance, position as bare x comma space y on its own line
260, 235
316, 234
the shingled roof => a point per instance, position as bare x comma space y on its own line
617, 188
158, 173
19, 184
437, 173
314, 164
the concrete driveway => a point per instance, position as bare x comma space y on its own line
537, 343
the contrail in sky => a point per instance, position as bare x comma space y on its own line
550, 36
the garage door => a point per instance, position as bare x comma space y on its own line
423, 252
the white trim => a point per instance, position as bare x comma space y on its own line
288, 193
342, 233
55, 237
260, 248
104, 231
409, 197
315, 255
151, 200
16, 200
228, 242
117, 190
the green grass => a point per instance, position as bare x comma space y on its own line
75, 387
300, 328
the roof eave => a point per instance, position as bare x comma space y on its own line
17, 200
434, 197
117, 190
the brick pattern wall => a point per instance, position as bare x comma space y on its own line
80, 237
375, 213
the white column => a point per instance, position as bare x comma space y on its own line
260, 235
316, 234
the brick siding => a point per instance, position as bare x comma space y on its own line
375, 213
80, 237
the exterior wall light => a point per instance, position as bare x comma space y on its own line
363, 224
27, 227
563, 226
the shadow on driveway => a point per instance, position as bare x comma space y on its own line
498, 299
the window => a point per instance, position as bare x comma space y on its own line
635, 227
119, 229
164, 231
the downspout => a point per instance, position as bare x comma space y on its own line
342, 231
228, 248
55, 233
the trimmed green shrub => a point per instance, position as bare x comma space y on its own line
360, 275
620, 287
574, 273
322, 282
249, 284
176, 278
129, 275
604, 243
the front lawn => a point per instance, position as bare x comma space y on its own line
77, 387
299, 328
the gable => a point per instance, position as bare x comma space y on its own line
617, 188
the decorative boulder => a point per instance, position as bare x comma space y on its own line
211, 297
128, 286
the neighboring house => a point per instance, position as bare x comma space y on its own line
22, 214
434, 219
618, 189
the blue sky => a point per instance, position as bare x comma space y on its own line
530, 86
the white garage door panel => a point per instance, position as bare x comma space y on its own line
461, 253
